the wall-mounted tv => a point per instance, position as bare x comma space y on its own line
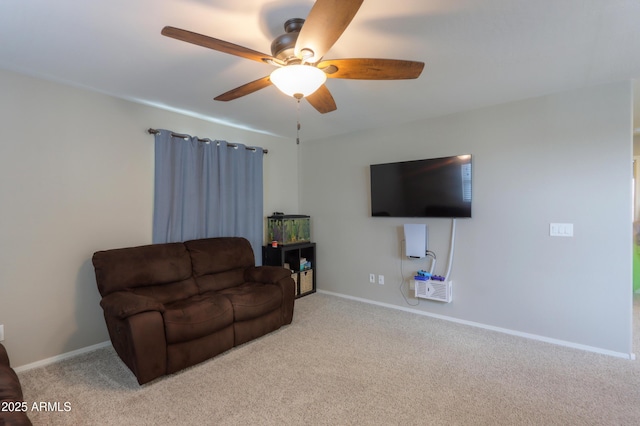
435, 187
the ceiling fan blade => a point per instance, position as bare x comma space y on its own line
245, 89
372, 69
219, 45
322, 100
323, 27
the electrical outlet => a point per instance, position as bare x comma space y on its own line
1, 332
381, 279
372, 278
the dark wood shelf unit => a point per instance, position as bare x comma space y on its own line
289, 256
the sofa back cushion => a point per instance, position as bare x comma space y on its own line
219, 263
161, 271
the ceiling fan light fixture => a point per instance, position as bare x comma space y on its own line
298, 80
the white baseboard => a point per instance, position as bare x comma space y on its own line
57, 358
630, 356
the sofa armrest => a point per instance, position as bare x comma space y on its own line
4, 357
281, 277
11, 391
123, 304
266, 274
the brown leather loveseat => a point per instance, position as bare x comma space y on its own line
170, 306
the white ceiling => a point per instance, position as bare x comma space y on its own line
477, 53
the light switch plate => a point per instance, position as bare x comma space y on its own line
561, 229
1, 332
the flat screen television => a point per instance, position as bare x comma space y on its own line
435, 187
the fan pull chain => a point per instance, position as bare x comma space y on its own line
298, 126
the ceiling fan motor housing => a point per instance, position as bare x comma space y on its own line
283, 46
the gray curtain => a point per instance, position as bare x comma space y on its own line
207, 188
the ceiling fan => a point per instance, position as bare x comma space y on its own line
298, 53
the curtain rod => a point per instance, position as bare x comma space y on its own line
178, 135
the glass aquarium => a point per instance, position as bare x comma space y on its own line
288, 229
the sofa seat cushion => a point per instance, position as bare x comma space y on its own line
251, 300
196, 316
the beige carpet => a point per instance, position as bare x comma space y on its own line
343, 362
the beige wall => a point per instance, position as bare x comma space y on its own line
76, 176
559, 158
